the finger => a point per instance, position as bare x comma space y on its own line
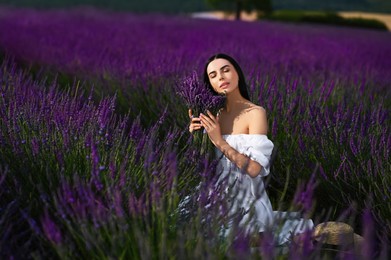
204, 120
211, 115
207, 120
205, 126
193, 128
205, 123
204, 117
195, 120
190, 113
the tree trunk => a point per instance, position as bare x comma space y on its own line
238, 9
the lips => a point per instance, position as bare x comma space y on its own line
224, 85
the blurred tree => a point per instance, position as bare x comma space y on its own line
263, 6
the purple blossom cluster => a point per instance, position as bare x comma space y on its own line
145, 48
80, 164
198, 97
91, 181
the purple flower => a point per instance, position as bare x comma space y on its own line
368, 247
197, 96
304, 194
241, 245
35, 146
51, 230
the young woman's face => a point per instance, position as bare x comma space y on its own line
222, 76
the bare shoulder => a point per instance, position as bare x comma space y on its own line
256, 111
258, 119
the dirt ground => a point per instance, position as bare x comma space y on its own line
385, 18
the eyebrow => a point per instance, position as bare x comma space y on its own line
223, 67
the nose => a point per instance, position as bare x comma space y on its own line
221, 76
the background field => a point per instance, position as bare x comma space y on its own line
177, 6
95, 154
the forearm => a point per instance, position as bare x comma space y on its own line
242, 161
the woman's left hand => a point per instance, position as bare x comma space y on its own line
211, 126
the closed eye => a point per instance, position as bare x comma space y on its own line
212, 75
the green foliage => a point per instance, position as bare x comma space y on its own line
177, 6
262, 6
172, 6
324, 18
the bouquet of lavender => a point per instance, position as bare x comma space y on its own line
198, 97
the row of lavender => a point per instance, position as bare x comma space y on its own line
326, 95
141, 48
78, 180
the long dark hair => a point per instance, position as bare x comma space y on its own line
242, 82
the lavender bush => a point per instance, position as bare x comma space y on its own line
87, 169
92, 184
88, 182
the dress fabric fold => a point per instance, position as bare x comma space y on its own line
247, 195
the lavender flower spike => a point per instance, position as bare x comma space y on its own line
197, 96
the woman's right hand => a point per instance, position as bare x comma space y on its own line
195, 123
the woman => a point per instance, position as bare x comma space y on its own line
239, 133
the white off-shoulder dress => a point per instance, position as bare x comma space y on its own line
247, 195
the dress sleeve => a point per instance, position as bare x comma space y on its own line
259, 148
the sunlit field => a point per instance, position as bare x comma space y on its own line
95, 154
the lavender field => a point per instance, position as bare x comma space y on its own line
94, 150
